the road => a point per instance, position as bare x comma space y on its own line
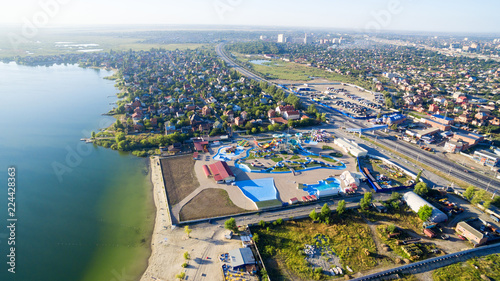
220, 52
436, 161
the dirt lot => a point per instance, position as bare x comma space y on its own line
179, 177
209, 203
207, 242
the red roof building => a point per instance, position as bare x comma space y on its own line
221, 172
206, 170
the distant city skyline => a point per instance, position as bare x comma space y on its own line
361, 15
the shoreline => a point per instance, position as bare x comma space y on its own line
162, 219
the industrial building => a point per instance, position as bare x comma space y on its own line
472, 234
415, 202
220, 171
468, 139
486, 158
437, 124
350, 147
442, 119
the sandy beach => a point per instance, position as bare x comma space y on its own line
162, 220
168, 244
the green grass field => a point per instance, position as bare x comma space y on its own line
43, 43
347, 236
486, 268
278, 69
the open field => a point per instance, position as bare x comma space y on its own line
179, 177
344, 242
209, 203
486, 268
282, 70
44, 43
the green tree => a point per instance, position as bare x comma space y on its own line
391, 228
365, 202
119, 137
279, 221
312, 109
478, 197
394, 127
395, 196
469, 192
231, 224
92, 135
188, 231
186, 255
313, 215
421, 188
341, 207
417, 179
325, 212
262, 223
425, 212
487, 204
181, 275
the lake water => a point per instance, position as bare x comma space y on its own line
260, 62
84, 212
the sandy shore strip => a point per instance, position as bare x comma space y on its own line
162, 220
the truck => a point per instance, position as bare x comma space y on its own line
429, 233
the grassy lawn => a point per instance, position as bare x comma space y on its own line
404, 218
268, 204
278, 69
212, 202
348, 237
473, 269
277, 159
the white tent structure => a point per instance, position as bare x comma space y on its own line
415, 202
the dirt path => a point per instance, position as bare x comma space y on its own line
376, 239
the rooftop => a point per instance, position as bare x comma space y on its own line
240, 257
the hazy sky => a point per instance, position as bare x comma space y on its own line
417, 15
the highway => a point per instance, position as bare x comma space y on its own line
436, 161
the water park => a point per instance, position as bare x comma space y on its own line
227, 153
260, 191
327, 187
285, 154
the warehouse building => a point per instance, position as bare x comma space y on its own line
486, 158
350, 147
220, 171
472, 234
415, 202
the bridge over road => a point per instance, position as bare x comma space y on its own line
433, 263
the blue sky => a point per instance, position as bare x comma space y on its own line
412, 15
